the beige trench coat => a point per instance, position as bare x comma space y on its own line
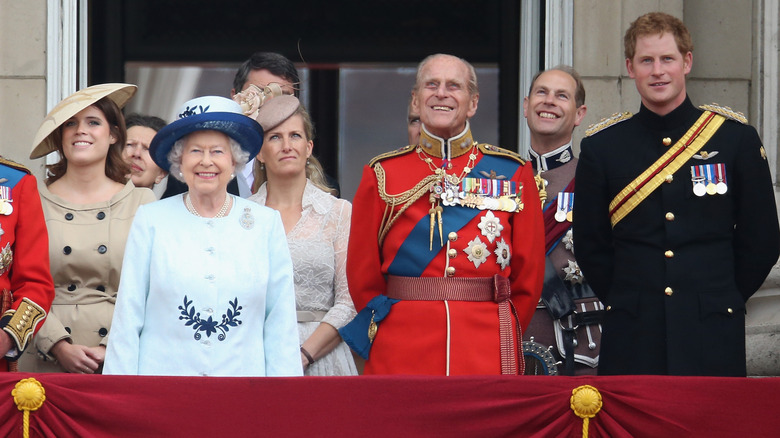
86, 248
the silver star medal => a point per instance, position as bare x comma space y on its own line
247, 220
568, 240
477, 252
491, 226
573, 273
503, 254
450, 197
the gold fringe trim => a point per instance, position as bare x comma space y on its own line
725, 112
607, 122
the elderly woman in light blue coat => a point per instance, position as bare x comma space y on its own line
207, 285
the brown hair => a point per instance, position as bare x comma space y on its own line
657, 23
116, 167
314, 171
579, 90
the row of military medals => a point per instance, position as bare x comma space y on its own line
709, 179
480, 193
5, 201
565, 207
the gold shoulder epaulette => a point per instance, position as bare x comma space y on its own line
725, 112
607, 122
495, 150
391, 154
15, 165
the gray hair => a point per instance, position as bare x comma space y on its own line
240, 157
472, 85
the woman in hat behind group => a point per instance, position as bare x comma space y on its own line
88, 204
317, 227
207, 286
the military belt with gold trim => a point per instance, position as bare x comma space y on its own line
669, 163
496, 289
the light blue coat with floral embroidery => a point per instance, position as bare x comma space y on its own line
205, 297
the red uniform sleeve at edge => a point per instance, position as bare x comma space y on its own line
30, 274
527, 250
364, 262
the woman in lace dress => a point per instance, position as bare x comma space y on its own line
291, 181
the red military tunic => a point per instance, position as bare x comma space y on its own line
442, 337
24, 258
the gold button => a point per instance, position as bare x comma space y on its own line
668, 291
667, 141
669, 254
453, 236
669, 178
730, 310
609, 307
477, 252
450, 271
451, 253
670, 216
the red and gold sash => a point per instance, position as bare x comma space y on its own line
669, 163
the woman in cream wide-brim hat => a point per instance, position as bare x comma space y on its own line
89, 205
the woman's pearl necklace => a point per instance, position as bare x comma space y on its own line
221, 213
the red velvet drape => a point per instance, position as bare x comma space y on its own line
379, 406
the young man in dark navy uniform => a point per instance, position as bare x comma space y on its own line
676, 220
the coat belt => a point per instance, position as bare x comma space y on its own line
310, 315
496, 289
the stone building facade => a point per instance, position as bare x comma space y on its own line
735, 63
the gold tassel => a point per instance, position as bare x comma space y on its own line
28, 395
432, 212
439, 209
540, 185
586, 403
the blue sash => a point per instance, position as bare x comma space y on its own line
414, 254
12, 176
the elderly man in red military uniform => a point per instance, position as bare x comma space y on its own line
25, 279
446, 251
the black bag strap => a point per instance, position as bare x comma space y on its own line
555, 295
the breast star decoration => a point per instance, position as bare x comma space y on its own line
503, 254
568, 241
477, 252
491, 226
573, 273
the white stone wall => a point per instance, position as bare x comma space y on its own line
22, 78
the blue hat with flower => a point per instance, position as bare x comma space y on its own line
207, 113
